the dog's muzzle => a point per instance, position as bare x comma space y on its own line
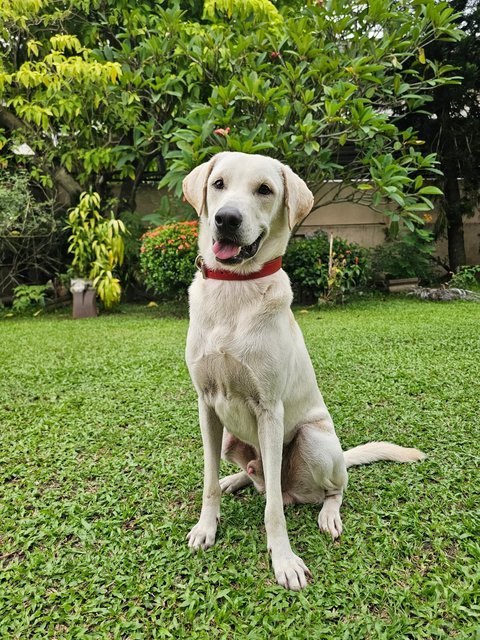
227, 247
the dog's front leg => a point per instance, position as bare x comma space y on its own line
290, 570
203, 533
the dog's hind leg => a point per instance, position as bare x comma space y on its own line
329, 519
318, 448
234, 482
240, 453
236, 451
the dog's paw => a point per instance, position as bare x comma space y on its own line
291, 572
329, 520
202, 536
233, 483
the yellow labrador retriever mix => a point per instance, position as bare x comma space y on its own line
257, 391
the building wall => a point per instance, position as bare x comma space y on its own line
353, 222
358, 223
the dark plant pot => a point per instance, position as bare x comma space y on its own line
84, 299
396, 285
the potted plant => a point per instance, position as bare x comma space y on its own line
97, 246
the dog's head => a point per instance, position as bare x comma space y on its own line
248, 205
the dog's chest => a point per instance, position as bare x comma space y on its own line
224, 372
220, 361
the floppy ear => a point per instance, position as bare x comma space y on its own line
298, 197
195, 185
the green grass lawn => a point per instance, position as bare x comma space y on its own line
101, 474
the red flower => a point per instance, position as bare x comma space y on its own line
275, 55
222, 132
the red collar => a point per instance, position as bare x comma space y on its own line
219, 274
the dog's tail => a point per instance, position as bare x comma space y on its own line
375, 451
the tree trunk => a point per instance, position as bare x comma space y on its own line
68, 183
453, 213
127, 196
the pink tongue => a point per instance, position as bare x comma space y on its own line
224, 250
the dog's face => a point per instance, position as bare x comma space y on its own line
248, 205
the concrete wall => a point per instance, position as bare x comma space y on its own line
358, 223
353, 222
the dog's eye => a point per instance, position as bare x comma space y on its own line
264, 190
218, 184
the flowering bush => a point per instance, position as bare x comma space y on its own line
314, 276
167, 257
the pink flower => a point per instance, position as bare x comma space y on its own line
222, 132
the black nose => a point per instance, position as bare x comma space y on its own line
228, 219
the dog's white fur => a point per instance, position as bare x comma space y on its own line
255, 382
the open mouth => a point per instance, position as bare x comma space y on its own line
227, 252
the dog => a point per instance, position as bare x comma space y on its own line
258, 398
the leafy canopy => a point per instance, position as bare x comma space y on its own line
110, 88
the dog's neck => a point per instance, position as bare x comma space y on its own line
222, 274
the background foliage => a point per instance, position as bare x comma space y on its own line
116, 89
454, 131
113, 92
30, 234
403, 257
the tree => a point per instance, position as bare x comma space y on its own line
86, 90
313, 83
113, 87
454, 130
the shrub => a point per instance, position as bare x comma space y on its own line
29, 233
27, 297
467, 277
20, 213
307, 263
167, 258
406, 257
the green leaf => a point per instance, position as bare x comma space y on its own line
430, 190
364, 186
